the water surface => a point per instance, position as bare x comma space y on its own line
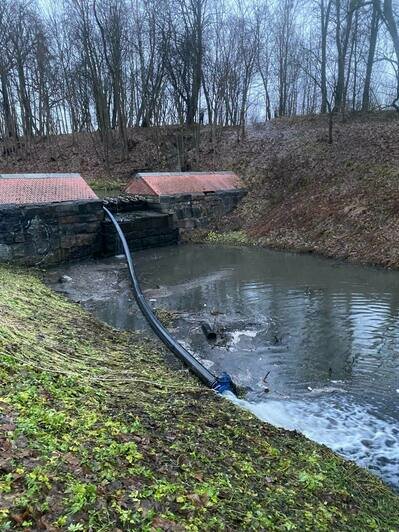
315, 342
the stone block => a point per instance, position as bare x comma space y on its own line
21, 250
88, 207
17, 236
76, 240
80, 218
196, 211
186, 224
80, 227
5, 252
68, 208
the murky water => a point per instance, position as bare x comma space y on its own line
325, 334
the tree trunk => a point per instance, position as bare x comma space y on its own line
324, 19
390, 22
26, 111
370, 59
342, 39
9, 120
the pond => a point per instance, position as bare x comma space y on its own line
315, 342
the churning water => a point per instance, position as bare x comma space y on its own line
315, 342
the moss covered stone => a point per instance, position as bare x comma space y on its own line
98, 433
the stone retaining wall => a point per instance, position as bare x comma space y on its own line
60, 232
50, 233
192, 211
142, 230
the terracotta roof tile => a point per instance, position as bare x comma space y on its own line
165, 184
43, 188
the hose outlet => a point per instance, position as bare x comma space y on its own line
224, 383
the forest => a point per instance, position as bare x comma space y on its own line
104, 66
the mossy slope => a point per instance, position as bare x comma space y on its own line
97, 433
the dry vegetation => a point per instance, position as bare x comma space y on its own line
341, 200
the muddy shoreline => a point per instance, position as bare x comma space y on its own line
241, 237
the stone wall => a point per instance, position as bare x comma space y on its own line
60, 232
142, 230
50, 233
192, 211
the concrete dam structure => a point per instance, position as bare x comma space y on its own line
56, 217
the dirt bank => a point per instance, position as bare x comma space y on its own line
98, 433
340, 200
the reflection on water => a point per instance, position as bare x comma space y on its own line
327, 335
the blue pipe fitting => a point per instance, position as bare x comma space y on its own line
224, 383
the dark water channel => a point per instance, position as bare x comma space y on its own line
326, 335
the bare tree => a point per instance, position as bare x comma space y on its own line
385, 9
325, 11
112, 32
344, 11
9, 122
103, 66
374, 26
184, 37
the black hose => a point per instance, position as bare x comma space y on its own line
221, 383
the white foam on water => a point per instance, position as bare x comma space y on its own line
353, 431
236, 335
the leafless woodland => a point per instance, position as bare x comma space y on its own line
104, 66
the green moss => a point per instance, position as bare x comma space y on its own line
107, 186
232, 238
97, 433
166, 317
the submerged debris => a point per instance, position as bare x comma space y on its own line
209, 332
65, 279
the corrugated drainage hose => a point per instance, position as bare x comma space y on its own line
220, 384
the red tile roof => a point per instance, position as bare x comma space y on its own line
165, 184
25, 189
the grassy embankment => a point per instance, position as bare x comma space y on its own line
98, 433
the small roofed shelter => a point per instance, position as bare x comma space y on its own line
26, 189
181, 183
194, 198
48, 218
